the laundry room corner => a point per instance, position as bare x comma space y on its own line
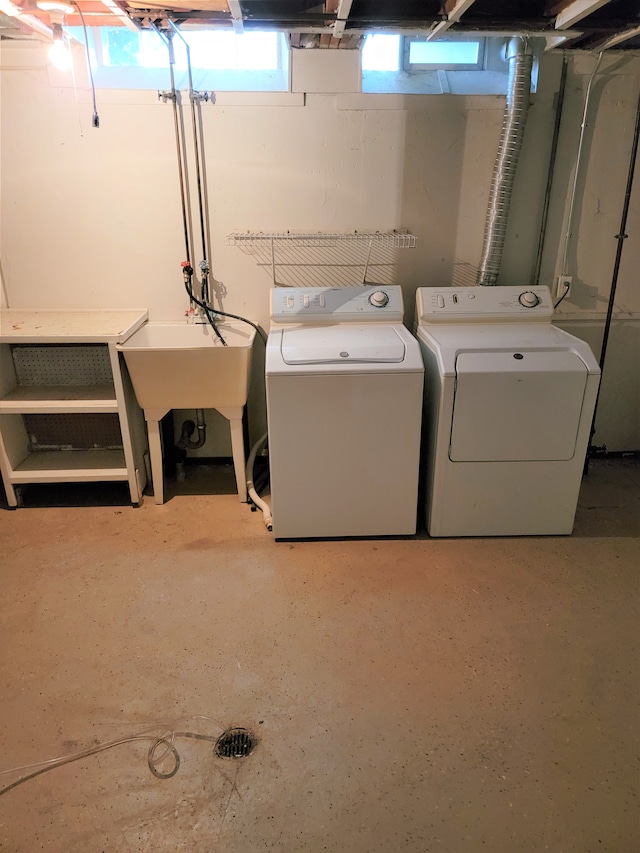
319, 426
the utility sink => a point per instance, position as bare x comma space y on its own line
183, 366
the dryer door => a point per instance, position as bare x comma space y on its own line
516, 406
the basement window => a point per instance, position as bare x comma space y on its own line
220, 59
456, 65
447, 54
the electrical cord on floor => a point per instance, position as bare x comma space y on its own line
165, 737
567, 288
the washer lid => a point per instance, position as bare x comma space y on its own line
342, 344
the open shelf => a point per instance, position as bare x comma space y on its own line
70, 466
336, 259
56, 399
68, 413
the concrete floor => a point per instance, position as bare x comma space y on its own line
415, 694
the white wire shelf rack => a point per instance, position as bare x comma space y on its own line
297, 259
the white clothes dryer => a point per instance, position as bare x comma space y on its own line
508, 404
344, 382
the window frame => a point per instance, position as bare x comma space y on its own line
420, 67
136, 76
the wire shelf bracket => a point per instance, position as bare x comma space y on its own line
306, 252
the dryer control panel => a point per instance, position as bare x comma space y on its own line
316, 305
484, 304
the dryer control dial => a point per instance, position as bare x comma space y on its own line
529, 299
379, 299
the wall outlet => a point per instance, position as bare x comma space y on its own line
563, 286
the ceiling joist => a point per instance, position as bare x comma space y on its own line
235, 10
614, 41
454, 10
342, 14
570, 12
563, 24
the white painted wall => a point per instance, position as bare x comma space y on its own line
91, 218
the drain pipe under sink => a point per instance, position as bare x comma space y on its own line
184, 443
188, 428
251, 489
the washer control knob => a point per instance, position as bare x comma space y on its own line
379, 299
529, 299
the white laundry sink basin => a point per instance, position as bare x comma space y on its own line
183, 366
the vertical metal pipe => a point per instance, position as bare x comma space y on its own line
621, 236
520, 59
192, 97
574, 186
552, 164
176, 122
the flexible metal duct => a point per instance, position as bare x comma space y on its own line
520, 58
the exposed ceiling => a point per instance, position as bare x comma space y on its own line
566, 24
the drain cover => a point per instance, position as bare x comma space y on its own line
235, 743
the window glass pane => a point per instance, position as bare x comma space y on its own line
120, 46
209, 49
220, 59
444, 52
381, 53
153, 51
250, 51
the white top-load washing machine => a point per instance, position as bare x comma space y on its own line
344, 382
509, 401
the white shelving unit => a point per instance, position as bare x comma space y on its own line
65, 363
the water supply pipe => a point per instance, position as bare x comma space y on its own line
551, 170
187, 266
173, 95
520, 59
621, 236
193, 96
574, 185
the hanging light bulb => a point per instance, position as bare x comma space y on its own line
59, 54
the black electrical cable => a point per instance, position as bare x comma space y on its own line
550, 171
567, 288
208, 308
95, 119
212, 323
243, 320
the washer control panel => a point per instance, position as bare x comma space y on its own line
484, 304
363, 304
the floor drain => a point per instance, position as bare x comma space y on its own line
235, 743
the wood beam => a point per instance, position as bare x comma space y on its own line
122, 16
344, 8
235, 11
572, 11
36, 25
455, 9
614, 41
